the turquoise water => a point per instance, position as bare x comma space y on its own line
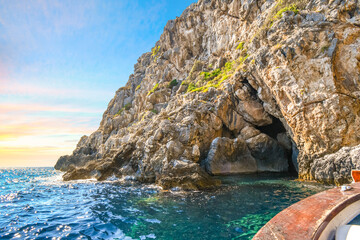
355, 221
36, 204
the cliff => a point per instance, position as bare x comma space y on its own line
236, 86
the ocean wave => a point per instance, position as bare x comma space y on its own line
36, 204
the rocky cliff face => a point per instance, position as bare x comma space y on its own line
236, 86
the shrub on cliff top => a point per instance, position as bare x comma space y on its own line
155, 51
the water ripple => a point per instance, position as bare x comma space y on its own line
36, 204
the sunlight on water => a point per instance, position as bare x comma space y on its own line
36, 203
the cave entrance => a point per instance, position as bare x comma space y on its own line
273, 129
277, 131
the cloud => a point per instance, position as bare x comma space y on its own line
31, 156
28, 138
44, 127
26, 89
32, 140
31, 119
27, 149
6, 108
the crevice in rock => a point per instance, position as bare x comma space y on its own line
352, 13
251, 90
232, 16
293, 164
226, 132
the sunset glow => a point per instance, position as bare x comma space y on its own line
38, 133
61, 63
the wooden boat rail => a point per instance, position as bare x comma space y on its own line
315, 217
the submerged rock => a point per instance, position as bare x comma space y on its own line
235, 86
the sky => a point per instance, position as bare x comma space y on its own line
61, 62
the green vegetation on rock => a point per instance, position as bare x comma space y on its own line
240, 46
126, 107
324, 48
216, 77
210, 75
153, 89
285, 5
192, 88
291, 7
154, 52
277, 11
119, 112
173, 83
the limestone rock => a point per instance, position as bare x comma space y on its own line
336, 167
269, 154
229, 156
235, 71
186, 175
249, 132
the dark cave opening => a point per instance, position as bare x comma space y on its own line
273, 130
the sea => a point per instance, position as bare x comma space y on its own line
36, 204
